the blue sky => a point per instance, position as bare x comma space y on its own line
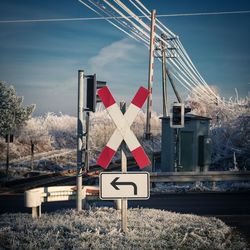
42, 59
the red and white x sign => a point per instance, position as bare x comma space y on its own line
123, 131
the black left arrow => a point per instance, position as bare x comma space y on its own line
115, 183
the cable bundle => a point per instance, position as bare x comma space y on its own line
130, 22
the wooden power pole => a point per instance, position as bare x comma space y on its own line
150, 75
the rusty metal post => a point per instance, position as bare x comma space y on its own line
150, 76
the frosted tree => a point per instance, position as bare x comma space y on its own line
13, 114
229, 128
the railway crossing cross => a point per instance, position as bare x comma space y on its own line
123, 131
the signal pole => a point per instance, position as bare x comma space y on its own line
150, 75
86, 157
79, 139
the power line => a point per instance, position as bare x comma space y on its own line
190, 76
119, 17
206, 13
57, 19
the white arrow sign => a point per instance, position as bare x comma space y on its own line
117, 185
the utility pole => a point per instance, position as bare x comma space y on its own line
79, 139
150, 75
164, 77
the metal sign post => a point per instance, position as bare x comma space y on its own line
79, 139
124, 201
123, 185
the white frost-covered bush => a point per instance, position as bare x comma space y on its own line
36, 132
59, 132
99, 228
62, 128
230, 129
33, 132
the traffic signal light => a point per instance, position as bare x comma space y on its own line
187, 110
177, 116
92, 86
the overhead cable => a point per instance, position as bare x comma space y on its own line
108, 18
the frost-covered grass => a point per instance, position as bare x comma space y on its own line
99, 228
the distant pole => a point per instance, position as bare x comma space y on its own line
32, 146
124, 201
79, 139
8, 153
164, 78
150, 76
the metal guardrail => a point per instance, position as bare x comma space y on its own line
212, 176
35, 197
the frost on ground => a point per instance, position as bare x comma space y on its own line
99, 228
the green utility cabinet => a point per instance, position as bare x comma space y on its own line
188, 148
